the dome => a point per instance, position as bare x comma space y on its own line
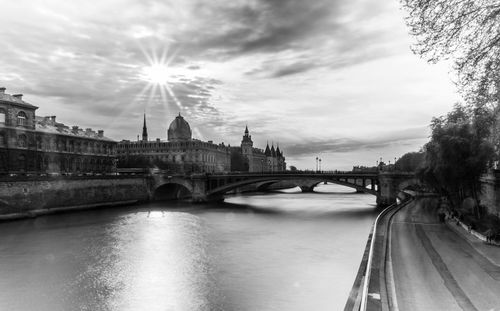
179, 130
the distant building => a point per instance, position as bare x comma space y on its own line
269, 160
29, 143
183, 154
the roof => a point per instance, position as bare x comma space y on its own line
268, 151
15, 100
49, 126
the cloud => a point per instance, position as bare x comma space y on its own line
291, 69
349, 145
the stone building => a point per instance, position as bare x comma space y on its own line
29, 143
258, 160
181, 153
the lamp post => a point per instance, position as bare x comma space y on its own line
320, 165
317, 164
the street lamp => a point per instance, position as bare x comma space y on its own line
320, 165
317, 164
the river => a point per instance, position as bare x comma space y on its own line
278, 251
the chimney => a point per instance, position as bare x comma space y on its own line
18, 96
100, 133
2, 90
75, 129
53, 118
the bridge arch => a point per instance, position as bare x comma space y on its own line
172, 190
306, 184
228, 187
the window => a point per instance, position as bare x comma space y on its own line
22, 141
2, 139
21, 118
2, 115
21, 162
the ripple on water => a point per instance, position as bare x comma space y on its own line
279, 251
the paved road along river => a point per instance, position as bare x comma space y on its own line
439, 266
280, 251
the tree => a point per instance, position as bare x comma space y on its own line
465, 31
457, 154
410, 162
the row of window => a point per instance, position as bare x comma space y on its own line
67, 164
154, 145
22, 118
175, 158
62, 145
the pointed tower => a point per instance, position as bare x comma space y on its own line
269, 158
281, 159
247, 149
144, 130
268, 151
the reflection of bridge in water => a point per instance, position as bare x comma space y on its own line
211, 187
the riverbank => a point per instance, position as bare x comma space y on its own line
373, 287
33, 196
414, 247
427, 251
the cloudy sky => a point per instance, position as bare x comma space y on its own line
328, 78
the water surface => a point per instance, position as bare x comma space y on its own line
278, 251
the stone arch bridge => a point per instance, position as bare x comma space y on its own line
212, 187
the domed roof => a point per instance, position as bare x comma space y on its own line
179, 130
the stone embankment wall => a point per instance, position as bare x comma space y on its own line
490, 193
31, 196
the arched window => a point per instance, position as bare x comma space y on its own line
22, 141
21, 118
3, 115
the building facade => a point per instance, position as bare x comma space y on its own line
29, 143
183, 154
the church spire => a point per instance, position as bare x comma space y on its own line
144, 130
247, 138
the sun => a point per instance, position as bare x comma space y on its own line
158, 74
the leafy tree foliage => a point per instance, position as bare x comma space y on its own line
457, 154
466, 31
410, 162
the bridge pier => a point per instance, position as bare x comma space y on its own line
390, 184
307, 189
207, 198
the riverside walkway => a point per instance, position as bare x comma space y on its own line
419, 263
441, 266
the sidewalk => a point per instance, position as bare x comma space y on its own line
477, 241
